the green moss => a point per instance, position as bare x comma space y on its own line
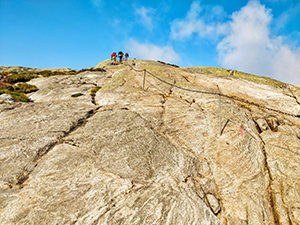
24, 76
12, 82
25, 88
16, 77
49, 73
94, 91
235, 73
6, 86
92, 69
208, 70
76, 95
19, 97
169, 64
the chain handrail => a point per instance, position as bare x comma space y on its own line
214, 93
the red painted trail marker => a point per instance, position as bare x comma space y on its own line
241, 131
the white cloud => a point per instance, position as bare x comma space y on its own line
286, 64
145, 16
245, 41
195, 22
249, 46
152, 52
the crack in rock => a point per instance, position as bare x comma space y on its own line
270, 178
24, 175
293, 96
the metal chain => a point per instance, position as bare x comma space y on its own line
215, 93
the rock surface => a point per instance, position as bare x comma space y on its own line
153, 156
6, 98
21, 68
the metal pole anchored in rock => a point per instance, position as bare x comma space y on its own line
220, 117
144, 79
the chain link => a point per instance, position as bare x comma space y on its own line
215, 93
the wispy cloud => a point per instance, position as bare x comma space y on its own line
152, 52
249, 46
145, 17
245, 41
198, 21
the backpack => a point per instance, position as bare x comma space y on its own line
120, 54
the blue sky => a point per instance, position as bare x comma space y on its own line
259, 37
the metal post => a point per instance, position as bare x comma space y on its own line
144, 79
220, 117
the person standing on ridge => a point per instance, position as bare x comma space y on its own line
126, 56
113, 58
120, 56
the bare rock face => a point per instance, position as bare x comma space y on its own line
6, 98
151, 156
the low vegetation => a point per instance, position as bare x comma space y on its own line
169, 64
12, 82
16, 91
235, 73
25, 88
94, 91
76, 95
92, 69
17, 96
24, 76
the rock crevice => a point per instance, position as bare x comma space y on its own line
128, 155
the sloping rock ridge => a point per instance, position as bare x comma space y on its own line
150, 143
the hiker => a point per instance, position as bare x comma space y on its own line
120, 56
113, 58
126, 56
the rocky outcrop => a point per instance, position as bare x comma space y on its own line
22, 69
150, 156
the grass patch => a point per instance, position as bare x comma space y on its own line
76, 95
25, 88
18, 91
169, 64
24, 76
235, 73
18, 97
49, 73
7, 86
15, 77
12, 82
92, 69
94, 91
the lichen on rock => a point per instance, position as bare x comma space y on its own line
153, 155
